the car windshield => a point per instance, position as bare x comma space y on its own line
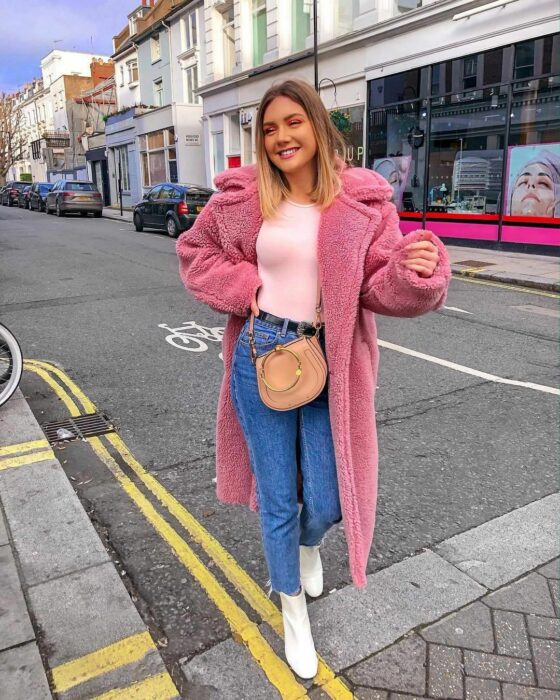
79, 187
19, 185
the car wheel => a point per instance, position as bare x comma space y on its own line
172, 228
138, 223
59, 211
97, 214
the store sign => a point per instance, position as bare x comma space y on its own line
192, 139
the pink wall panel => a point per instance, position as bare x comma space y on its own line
531, 234
461, 229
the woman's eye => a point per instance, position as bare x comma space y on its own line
294, 123
545, 183
268, 131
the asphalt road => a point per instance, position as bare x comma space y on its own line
455, 449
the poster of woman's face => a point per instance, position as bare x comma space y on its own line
534, 181
395, 170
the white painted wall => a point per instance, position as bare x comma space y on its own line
59, 62
128, 93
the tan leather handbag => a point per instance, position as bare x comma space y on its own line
293, 374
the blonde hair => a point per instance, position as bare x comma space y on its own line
331, 148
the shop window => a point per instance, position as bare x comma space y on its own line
121, 166
401, 87
350, 122
397, 150
533, 168
301, 23
466, 153
259, 31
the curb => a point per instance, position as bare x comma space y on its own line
505, 278
90, 635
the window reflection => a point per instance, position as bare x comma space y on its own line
466, 153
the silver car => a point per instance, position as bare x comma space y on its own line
79, 196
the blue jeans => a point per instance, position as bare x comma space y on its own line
275, 439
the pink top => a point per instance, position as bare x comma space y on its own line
287, 261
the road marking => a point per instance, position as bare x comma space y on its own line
251, 591
276, 670
503, 285
23, 460
158, 687
23, 447
469, 370
125, 651
456, 308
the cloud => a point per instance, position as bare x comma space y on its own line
28, 35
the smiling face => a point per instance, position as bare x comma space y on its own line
289, 139
533, 193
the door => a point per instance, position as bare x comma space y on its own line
162, 206
148, 206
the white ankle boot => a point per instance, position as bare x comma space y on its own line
298, 642
311, 570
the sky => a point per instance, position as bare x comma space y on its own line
29, 30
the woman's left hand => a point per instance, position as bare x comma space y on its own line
422, 256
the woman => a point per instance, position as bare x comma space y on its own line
261, 244
536, 191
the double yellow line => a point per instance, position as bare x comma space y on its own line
275, 669
25, 453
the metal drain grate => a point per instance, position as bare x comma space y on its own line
78, 428
474, 263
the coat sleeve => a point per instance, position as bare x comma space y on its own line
223, 280
390, 289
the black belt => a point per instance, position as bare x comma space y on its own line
299, 327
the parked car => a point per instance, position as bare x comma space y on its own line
10, 193
80, 196
23, 197
170, 207
38, 194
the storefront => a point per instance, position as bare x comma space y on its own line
471, 145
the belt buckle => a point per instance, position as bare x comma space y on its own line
304, 328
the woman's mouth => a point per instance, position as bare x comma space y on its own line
287, 153
531, 195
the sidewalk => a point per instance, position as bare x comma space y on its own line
476, 617
115, 213
64, 610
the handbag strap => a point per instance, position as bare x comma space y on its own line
317, 324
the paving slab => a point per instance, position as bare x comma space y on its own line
62, 539
226, 672
93, 604
504, 548
529, 595
22, 676
17, 422
15, 626
470, 628
397, 599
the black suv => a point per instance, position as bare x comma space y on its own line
10, 193
171, 207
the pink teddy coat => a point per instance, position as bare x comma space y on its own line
359, 248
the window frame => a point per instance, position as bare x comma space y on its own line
155, 47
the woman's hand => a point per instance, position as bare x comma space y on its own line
254, 306
422, 256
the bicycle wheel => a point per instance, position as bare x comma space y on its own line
11, 364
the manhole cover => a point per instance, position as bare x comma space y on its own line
78, 428
474, 263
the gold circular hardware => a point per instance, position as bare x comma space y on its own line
279, 348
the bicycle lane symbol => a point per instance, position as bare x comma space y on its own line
193, 337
